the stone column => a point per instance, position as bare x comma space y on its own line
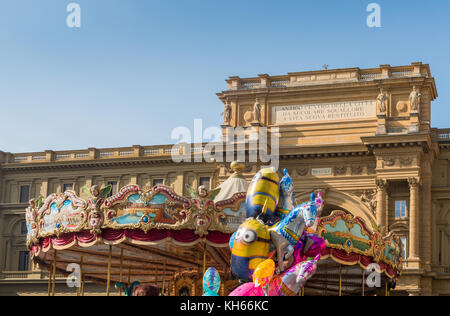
434, 233
413, 219
425, 218
2, 241
381, 202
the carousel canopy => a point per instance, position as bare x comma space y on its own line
150, 235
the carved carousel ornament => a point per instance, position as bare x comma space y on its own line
30, 219
203, 200
96, 198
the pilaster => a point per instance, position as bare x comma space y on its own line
414, 228
381, 202
425, 206
179, 183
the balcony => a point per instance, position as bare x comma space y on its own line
91, 154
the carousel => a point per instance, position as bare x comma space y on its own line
240, 239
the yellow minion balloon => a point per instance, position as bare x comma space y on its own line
263, 194
249, 247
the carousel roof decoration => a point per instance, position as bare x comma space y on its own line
349, 241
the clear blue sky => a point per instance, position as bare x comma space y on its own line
136, 69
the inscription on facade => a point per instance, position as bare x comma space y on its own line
321, 172
324, 112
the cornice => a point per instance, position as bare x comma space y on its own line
331, 87
51, 166
422, 139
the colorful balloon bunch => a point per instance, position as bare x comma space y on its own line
275, 235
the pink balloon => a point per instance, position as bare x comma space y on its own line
247, 289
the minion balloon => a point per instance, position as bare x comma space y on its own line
263, 194
249, 247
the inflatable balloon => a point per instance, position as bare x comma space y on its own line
263, 274
128, 291
263, 194
289, 283
247, 289
293, 280
211, 282
249, 248
286, 200
287, 233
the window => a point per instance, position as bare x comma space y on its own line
23, 228
205, 181
400, 209
24, 258
67, 187
403, 240
24, 193
158, 182
113, 185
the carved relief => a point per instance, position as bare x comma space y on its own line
405, 161
357, 169
413, 182
381, 184
388, 161
340, 170
401, 107
368, 198
371, 169
248, 117
302, 171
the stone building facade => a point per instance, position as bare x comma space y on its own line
363, 136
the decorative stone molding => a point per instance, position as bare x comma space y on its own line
340, 170
381, 184
388, 161
357, 170
405, 161
368, 198
303, 171
371, 169
413, 182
